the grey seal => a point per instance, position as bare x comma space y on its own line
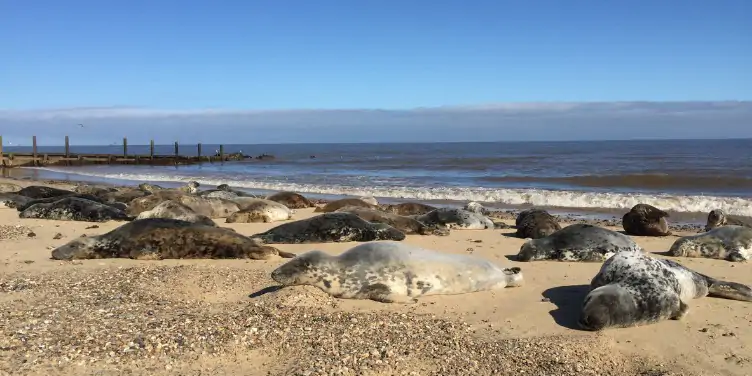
92, 189
151, 188
116, 205
259, 210
291, 199
341, 203
732, 243
633, 289
476, 207
535, 224
578, 242
174, 210
220, 194
718, 218
40, 191
330, 227
457, 219
210, 207
645, 220
191, 187
402, 223
392, 272
13, 200
75, 209
161, 238
408, 208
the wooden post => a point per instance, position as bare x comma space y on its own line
222, 153
67, 151
1, 150
34, 152
125, 147
176, 149
151, 149
199, 150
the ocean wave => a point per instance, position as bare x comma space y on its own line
641, 181
536, 197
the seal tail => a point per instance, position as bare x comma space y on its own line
284, 254
729, 290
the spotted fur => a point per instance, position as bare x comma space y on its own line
394, 272
578, 242
732, 243
633, 289
330, 227
456, 219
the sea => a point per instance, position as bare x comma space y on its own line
687, 178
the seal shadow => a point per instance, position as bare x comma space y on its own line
568, 301
265, 290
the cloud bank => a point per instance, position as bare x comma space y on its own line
489, 122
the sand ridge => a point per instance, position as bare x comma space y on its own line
226, 317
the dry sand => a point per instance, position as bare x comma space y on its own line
220, 317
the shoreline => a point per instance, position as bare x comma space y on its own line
679, 221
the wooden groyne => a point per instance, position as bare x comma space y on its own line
68, 158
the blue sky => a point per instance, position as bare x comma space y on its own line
263, 54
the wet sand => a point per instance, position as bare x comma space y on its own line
120, 316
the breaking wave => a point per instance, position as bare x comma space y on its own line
536, 197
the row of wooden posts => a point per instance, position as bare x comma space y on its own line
67, 154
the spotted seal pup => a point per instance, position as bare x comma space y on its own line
633, 289
341, 203
645, 220
225, 195
476, 207
258, 210
75, 209
291, 199
162, 238
330, 227
578, 242
93, 189
392, 272
718, 218
456, 219
732, 243
535, 224
402, 223
151, 188
40, 191
191, 187
210, 207
175, 210
408, 208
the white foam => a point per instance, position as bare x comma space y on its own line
537, 197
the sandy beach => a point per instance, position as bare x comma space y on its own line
191, 317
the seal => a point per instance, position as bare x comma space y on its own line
9, 188
476, 207
210, 207
456, 218
151, 188
392, 272
645, 220
258, 210
220, 194
578, 242
341, 203
732, 243
191, 187
408, 208
23, 207
370, 199
123, 195
633, 289
13, 200
161, 238
718, 218
291, 199
40, 191
330, 227
404, 224
535, 224
75, 209
95, 190
226, 188
174, 210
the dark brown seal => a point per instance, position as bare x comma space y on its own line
535, 224
160, 238
291, 199
645, 220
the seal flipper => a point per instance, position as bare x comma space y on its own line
729, 290
284, 254
735, 256
683, 310
382, 293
